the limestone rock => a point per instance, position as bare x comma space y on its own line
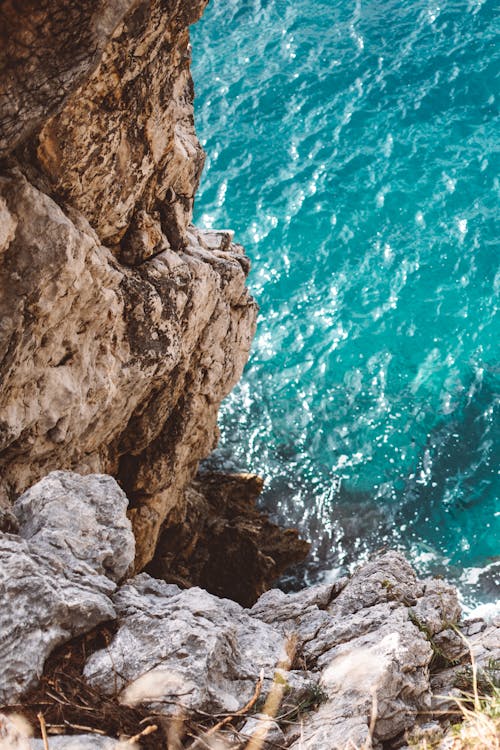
361, 651
8, 521
66, 512
47, 49
121, 326
265, 728
481, 642
82, 742
438, 604
54, 580
364, 641
14, 733
183, 646
355, 674
112, 369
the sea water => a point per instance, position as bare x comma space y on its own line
354, 147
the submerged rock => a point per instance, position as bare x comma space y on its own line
58, 575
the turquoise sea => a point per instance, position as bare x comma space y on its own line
354, 148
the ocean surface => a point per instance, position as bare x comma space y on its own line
354, 148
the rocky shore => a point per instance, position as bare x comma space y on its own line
133, 586
349, 664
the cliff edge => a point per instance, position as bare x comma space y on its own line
122, 325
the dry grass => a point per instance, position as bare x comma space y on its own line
480, 729
64, 703
479, 711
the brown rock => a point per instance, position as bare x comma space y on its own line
47, 48
124, 142
112, 369
121, 326
223, 543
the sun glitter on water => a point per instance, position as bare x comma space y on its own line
354, 149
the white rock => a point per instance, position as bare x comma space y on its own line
367, 641
82, 742
183, 646
54, 580
83, 517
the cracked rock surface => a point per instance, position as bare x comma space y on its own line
112, 369
58, 575
363, 640
122, 327
355, 660
186, 646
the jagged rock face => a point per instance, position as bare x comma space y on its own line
183, 645
47, 47
366, 645
57, 576
121, 326
124, 144
368, 639
112, 369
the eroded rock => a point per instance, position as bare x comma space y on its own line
224, 544
121, 326
124, 142
480, 642
57, 577
363, 640
47, 49
112, 369
362, 656
185, 647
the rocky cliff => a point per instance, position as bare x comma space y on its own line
122, 325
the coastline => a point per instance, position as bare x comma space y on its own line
136, 588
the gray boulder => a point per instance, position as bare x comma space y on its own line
185, 647
58, 575
81, 520
367, 640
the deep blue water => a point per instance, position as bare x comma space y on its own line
354, 148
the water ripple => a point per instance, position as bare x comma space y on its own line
354, 148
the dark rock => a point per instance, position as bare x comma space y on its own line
224, 544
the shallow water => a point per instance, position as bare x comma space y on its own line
354, 148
